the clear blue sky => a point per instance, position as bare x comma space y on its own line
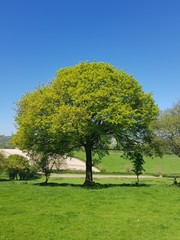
37, 37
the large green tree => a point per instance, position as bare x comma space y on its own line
85, 106
167, 129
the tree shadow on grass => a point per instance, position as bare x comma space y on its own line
21, 180
94, 186
4, 180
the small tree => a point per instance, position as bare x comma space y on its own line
45, 163
139, 141
138, 161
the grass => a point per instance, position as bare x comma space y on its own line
115, 163
115, 209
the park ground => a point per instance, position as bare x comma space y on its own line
115, 209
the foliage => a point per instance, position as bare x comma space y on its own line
2, 161
138, 142
35, 134
5, 142
167, 129
46, 164
17, 166
137, 158
85, 106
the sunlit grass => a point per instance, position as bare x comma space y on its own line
114, 209
115, 163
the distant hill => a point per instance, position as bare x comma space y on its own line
5, 141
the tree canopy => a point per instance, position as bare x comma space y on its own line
85, 106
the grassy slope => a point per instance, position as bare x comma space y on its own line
118, 212
113, 162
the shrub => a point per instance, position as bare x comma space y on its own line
2, 161
19, 168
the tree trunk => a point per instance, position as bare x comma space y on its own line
137, 183
46, 180
89, 177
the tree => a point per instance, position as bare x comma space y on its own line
45, 163
139, 142
138, 162
167, 129
85, 106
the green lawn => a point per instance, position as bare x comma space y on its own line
115, 210
169, 164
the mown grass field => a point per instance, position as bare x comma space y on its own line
115, 163
115, 209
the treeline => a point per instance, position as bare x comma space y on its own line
5, 141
